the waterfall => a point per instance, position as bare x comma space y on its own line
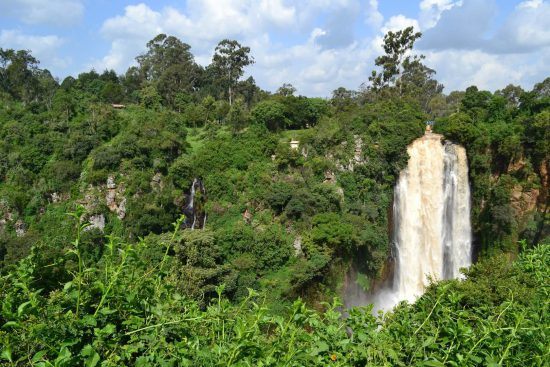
194, 208
431, 220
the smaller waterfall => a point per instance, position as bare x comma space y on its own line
194, 208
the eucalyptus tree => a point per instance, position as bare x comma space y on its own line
169, 65
229, 60
403, 73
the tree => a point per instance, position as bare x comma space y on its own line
343, 98
237, 117
229, 61
162, 52
396, 45
271, 114
286, 90
149, 97
170, 66
18, 71
132, 82
512, 94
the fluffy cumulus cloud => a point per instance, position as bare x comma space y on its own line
430, 11
42, 47
466, 49
327, 56
373, 16
526, 29
319, 45
54, 12
201, 25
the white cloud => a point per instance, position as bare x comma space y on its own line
459, 69
53, 12
533, 4
468, 26
526, 29
314, 45
202, 25
313, 67
44, 48
430, 11
399, 22
374, 17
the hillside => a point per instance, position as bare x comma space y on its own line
174, 216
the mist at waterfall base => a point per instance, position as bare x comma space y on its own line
431, 224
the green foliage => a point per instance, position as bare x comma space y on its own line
330, 230
271, 114
114, 311
282, 222
501, 134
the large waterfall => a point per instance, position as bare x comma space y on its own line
431, 220
432, 234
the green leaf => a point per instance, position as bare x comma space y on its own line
93, 357
38, 356
106, 331
64, 355
11, 324
89, 320
106, 311
68, 343
433, 364
6, 354
21, 308
428, 341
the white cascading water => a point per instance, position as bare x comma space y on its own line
432, 233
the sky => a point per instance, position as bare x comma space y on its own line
316, 45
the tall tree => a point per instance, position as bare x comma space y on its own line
162, 52
286, 90
403, 73
18, 71
229, 61
169, 65
396, 45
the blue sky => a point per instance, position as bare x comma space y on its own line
317, 45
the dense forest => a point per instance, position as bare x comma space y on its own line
181, 215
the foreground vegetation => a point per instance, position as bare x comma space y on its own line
128, 309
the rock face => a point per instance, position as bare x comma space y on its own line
357, 158
56, 197
330, 177
156, 182
96, 222
110, 194
247, 216
114, 198
528, 199
20, 228
358, 154
298, 246
524, 201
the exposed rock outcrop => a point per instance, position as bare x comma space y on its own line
20, 228
297, 244
115, 199
96, 222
